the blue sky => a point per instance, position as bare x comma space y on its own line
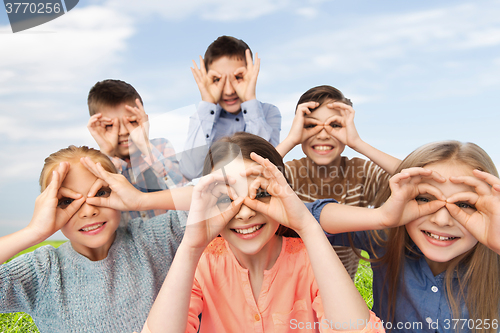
416, 72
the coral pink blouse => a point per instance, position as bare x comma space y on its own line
289, 299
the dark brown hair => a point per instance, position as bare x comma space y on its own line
226, 46
111, 93
245, 143
323, 94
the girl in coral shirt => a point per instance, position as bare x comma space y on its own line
254, 279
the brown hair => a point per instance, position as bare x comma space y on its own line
323, 94
72, 154
226, 46
111, 93
245, 143
477, 271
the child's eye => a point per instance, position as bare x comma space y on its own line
239, 77
64, 202
216, 80
224, 200
335, 125
420, 199
104, 192
465, 205
108, 127
309, 125
261, 194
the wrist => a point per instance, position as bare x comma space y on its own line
193, 252
382, 218
310, 230
358, 145
208, 100
249, 98
292, 141
284, 147
33, 236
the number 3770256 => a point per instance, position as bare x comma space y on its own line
33, 8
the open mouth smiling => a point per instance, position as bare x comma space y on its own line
322, 147
92, 227
248, 230
439, 238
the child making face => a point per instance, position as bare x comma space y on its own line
119, 124
86, 284
439, 263
324, 126
227, 81
252, 276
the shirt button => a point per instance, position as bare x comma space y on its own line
208, 135
257, 317
237, 119
244, 111
143, 214
434, 289
212, 112
428, 320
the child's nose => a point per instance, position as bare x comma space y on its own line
87, 211
228, 88
122, 130
323, 134
442, 218
245, 213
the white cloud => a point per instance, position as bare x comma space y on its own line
43, 83
69, 49
391, 48
16, 130
307, 12
210, 10
368, 41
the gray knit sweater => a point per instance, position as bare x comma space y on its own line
66, 292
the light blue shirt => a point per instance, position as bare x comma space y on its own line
211, 123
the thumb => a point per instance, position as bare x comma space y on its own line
115, 128
256, 205
311, 131
64, 215
431, 207
232, 210
458, 214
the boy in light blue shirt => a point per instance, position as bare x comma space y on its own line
227, 79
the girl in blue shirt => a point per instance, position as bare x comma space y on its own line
437, 268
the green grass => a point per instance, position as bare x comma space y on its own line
363, 280
22, 323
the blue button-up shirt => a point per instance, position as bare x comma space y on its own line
211, 123
421, 301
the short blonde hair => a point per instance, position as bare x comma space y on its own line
72, 153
